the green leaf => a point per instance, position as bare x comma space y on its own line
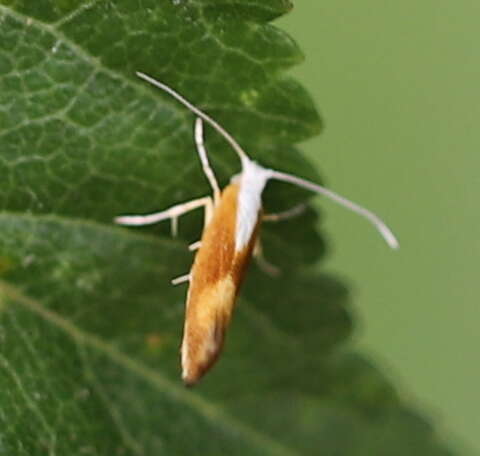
90, 325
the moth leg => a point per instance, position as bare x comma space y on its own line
208, 214
202, 153
206, 220
267, 267
289, 213
194, 246
171, 213
207, 217
181, 279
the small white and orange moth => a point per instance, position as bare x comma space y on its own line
229, 238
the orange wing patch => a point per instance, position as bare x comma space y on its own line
216, 275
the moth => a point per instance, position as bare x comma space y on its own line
229, 239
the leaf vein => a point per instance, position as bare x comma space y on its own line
157, 380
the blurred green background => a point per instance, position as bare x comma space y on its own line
398, 86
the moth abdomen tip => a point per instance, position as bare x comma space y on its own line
188, 382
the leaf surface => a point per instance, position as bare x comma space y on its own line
90, 325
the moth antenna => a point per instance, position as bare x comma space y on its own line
386, 233
230, 139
